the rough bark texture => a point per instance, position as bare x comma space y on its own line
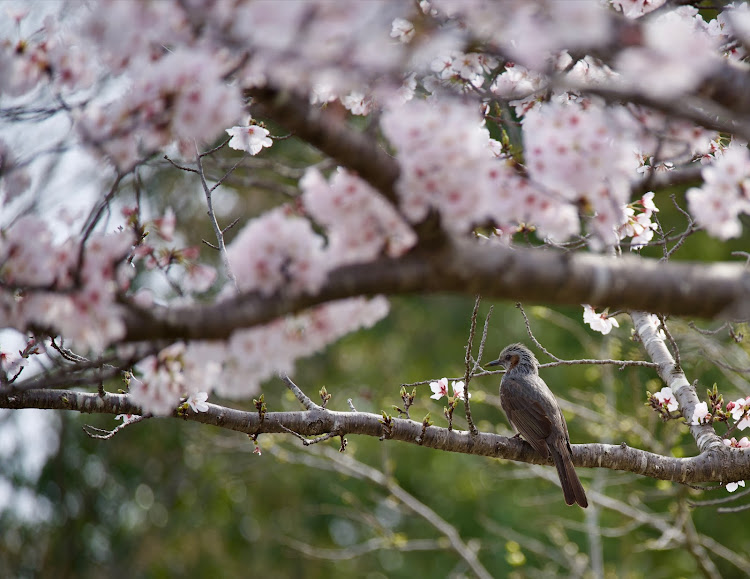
717, 464
496, 272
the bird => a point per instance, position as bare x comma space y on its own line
534, 412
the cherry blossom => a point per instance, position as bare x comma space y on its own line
256, 354
532, 32
278, 249
441, 147
197, 402
636, 8
459, 390
172, 99
520, 86
742, 443
740, 410
666, 399
599, 322
582, 154
733, 486
639, 225
76, 299
359, 222
439, 388
11, 363
402, 29
677, 52
716, 205
701, 415
250, 138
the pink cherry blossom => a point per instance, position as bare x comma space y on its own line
197, 402
716, 205
677, 52
701, 415
599, 322
666, 399
403, 30
275, 250
359, 223
250, 138
459, 390
439, 388
636, 8
742, 443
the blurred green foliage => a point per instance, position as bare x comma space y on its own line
167, 498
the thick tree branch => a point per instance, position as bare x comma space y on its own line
328, 132
716, 464
673, 376
550, 277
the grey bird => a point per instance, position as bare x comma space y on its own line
533, 411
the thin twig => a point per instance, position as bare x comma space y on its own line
212, 216
101, 434
561, 362
483, 341
310, 441
180, 167
469, 370
531, 334
670, 338
721, 501
216, 148
725, 510
301, 396
707, 332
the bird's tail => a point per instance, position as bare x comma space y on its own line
571, 484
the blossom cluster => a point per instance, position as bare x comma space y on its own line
440, 388
724, 194
449, 164
684, 48
638, 224
62, 286
665, 397
576, 156
278, 249
235, 369
531, 32
582, 155
740, 411
599, 322
360, 225
172, 99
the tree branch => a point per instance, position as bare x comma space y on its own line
715, 464
328, 132
466, 267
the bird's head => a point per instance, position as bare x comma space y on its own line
516, 356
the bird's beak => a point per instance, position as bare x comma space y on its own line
494, 362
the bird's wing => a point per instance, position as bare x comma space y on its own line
527, 415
